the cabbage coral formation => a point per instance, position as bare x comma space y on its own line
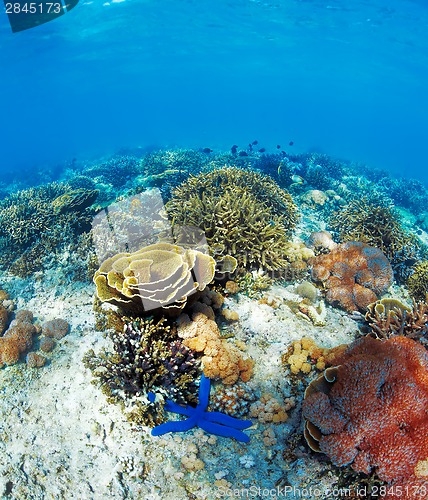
242, 213
370, 412
159, 276
353, 274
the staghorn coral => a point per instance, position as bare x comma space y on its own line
376, 224
242, 213
34, 231
116, 171
417, 283
370, 412
353, 274
220, 359
76, 200
390, 317
159, 276
145, 356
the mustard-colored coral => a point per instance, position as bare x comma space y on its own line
269, 409
242, 213
220, 359
304, 355
157, 276
417, 283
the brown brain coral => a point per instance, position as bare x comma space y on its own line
157, 276
353, 274
371, 412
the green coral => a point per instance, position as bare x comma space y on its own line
417, 283
242, 213
376, 224
36, 224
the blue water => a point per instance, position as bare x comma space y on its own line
347, 78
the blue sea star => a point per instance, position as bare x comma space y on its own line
213, 422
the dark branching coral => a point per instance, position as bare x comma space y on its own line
37, 223
379, 226
116, 171
242, 213
370, 412
145, 356
417, 283
353, 274
390, 317
184, 161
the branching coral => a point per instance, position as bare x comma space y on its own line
159, 276
353, 274
417, 283
145, 356
242, 213
370, 411
376, 224
390, 317
220, 359
37, 223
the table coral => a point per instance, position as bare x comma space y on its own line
220, 359
353, 274
370, 412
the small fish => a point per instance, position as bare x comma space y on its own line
207, 150
410, 262
278, 146
290, 143
234, 149
297, 179
419, 231
250, 147
243, 153
254, 143
279, 167
262, 150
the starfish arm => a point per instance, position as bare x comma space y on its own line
223, 419
176, 408
222, 430
174, 426
204, 391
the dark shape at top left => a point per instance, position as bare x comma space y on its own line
25, 14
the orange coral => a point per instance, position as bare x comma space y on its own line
17, 339
371, 412
353, 274
221, 359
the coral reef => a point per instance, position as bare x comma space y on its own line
378, 225
233, 400
146, 356
37, 224
158, 277
417, 283
220, 359
354, 275
213, 422
242, 213
390, 317
115, 171
269, 409
304, 355
370, 411
17, 339
321, 242
56, 328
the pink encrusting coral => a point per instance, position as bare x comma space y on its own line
372, 414
354, 275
